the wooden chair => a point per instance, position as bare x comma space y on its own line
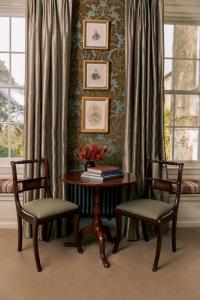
44, 210
150, 211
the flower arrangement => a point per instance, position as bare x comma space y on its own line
92, 153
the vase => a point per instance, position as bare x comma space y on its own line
89, 164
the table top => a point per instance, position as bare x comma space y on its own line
75, 178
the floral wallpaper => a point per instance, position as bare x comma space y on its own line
112, 10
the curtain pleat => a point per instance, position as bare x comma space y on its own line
48, 44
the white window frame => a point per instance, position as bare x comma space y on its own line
188, 164
10, 8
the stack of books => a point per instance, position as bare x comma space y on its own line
102, 173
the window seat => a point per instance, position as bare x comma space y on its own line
6, 186
188, 186
8, 218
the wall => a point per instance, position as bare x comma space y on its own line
114, 139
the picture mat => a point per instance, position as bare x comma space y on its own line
95, 115
91, 30
92, 68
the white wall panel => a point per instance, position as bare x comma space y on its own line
7, 7
182, 11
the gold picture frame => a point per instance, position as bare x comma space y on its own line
95, 113
95, 75
95, 34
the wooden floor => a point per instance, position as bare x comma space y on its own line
72, 276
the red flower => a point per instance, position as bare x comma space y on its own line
94, 148
94, 153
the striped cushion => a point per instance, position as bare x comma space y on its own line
6, 186
190, 187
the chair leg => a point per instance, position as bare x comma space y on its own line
144, 231
35, 247
119, 230
76, 233
19, 222
174, 234
158, 248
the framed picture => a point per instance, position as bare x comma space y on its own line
96, 75
95, 34
95, 114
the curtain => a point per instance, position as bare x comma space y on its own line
144, 128
48, 47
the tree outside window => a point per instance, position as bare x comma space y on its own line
182, 92
12, 73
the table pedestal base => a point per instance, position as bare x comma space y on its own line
96, 228
99, 231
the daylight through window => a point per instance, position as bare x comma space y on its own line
182, 92
12, 73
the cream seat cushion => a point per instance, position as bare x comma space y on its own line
148, 208
46, 207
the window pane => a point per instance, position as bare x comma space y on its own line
4, 140
12, 73
185, 144
18, 34
187, 110
168, 112
4, 34
17, 105
4, 69
169, 36
186, 74
17, 138
4, 61
3, 105
18, 68
168, 74
168, 142
186, 41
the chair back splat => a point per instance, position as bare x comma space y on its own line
171, 186
37, 166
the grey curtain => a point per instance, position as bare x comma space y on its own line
48, 46
144, 129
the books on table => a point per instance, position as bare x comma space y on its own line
102, 173
103, 169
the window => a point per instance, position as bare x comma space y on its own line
182, 92
12, 75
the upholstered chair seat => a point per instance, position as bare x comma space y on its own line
46, 207
148, 208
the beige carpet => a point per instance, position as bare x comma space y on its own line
69, 275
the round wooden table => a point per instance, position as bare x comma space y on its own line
96, 227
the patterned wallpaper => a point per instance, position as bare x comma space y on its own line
113, 10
